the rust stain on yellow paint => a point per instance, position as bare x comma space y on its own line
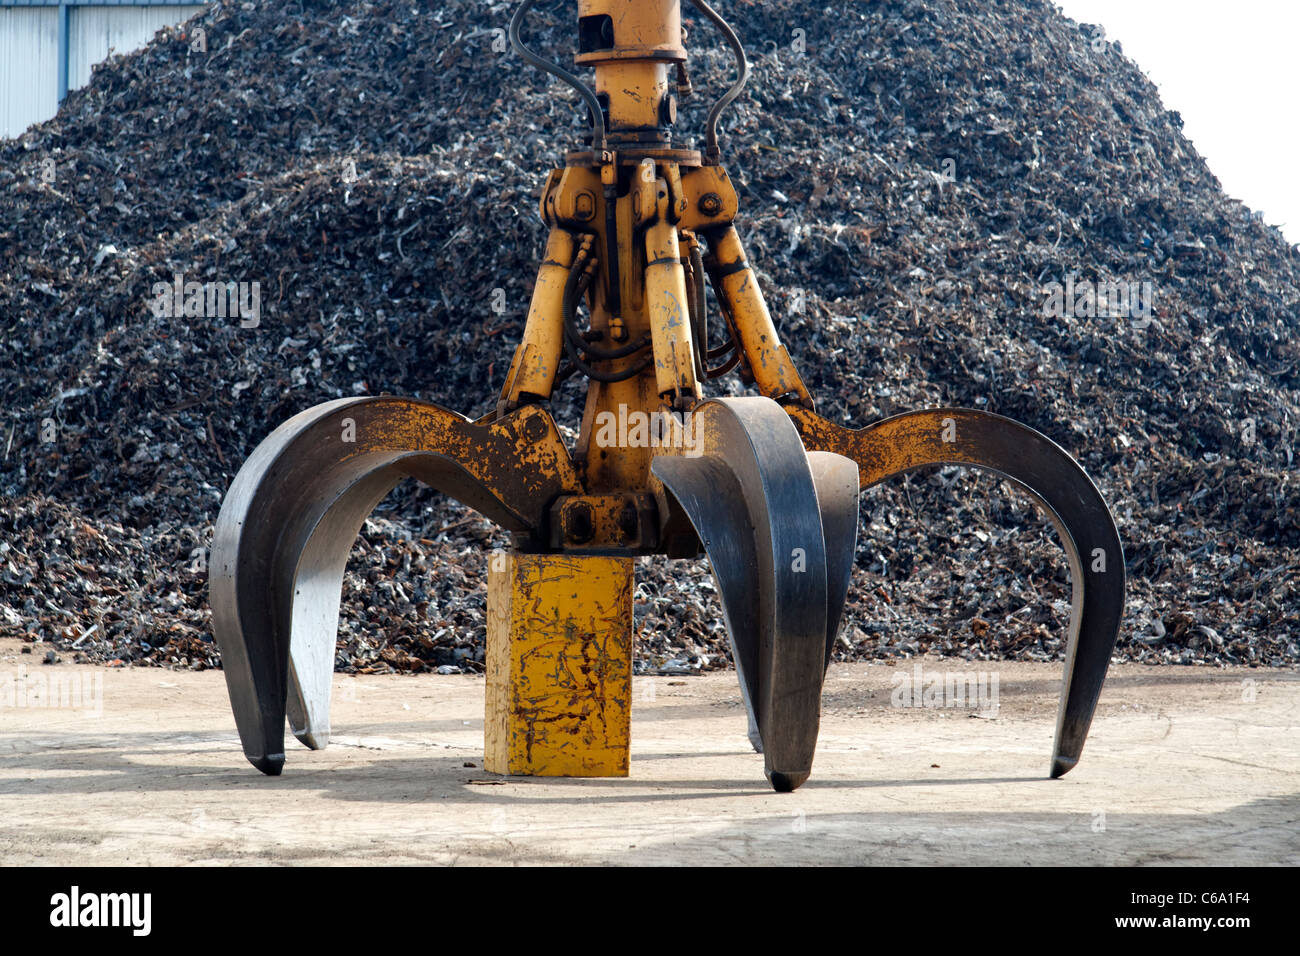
559, 665
895, 445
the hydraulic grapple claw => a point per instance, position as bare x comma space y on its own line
961, 436
638, 226
780, 537
293, 511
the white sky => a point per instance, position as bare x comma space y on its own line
1233, 71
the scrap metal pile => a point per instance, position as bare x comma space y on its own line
928, 189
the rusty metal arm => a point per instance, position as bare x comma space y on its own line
960, 436
287, 525
768, 361
537, 357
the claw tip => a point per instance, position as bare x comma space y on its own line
786, 782
1062, 765
314, 740
269, 764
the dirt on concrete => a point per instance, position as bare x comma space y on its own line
1191, 766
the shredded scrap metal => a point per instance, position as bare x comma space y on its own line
954, 183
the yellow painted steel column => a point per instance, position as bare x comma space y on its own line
559, 665
633, 51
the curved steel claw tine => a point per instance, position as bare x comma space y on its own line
959, 436
282, 540
753, 501
710, 495
836, 478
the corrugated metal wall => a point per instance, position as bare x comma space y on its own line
29, 66
97, 30
29, 51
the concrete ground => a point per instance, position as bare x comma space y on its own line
1184, 766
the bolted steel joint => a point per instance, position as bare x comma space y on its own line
710, 204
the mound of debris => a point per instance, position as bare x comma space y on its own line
969, 203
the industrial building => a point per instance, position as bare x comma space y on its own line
47, 49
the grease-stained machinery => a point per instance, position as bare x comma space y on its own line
762, 485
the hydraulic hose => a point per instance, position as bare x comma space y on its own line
580, 279
598, 141
742, 70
